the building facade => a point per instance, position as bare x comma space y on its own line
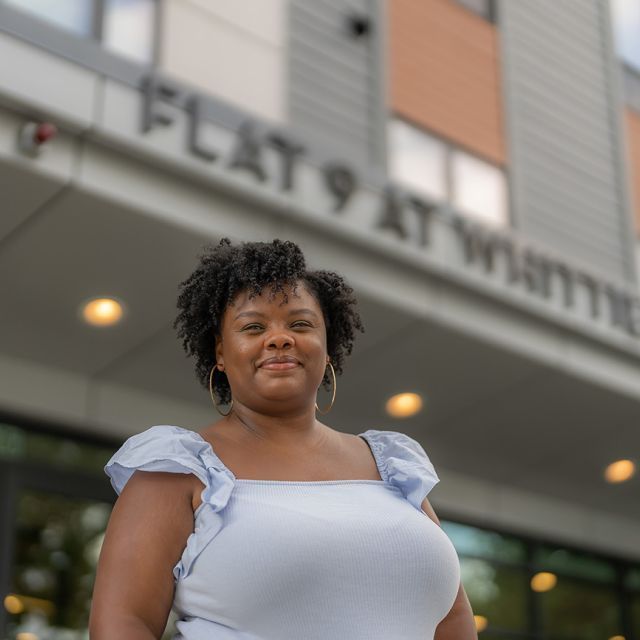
472, 167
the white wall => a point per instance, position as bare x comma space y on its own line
233, 50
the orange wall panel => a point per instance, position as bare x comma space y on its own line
632, 119
444, 73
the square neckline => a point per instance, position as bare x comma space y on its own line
303, 482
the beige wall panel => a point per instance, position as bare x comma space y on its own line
444, 73
633, 136
209, 51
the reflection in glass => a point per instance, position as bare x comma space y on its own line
632, 579
579, 565
417, 160
128, 28
486, 544
57, 545
479, 188
635, 614
74, 15
496, 592
54, 451
576, 609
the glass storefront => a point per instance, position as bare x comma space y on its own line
55, 507
524, 588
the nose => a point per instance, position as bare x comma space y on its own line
280, 340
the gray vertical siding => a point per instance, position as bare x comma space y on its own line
335, 81
563, 111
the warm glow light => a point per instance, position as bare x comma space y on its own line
620, 471
616, 638
403, 405
543, 581
102, 312
27, 635
481, 623
13, 604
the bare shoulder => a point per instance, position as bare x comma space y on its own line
428, 509
147, 531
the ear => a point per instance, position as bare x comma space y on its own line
219, 356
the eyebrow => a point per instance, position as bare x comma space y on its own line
292, 312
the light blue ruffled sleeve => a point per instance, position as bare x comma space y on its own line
403, 463
178, 450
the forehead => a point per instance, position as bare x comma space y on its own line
267, 300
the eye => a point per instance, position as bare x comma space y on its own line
300, 322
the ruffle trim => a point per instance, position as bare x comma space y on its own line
178, 450
403, 463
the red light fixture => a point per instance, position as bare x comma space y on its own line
34, 135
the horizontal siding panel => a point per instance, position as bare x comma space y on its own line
572, 223
598, 253
340, 49
585, 88
333, 86
563, 137
559, 186
582, 44
575, 157
544, 114
333, 91
340, 76
316, 122
341, 117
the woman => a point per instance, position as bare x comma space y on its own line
269, 524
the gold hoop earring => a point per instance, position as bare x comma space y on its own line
334, 391
215, 404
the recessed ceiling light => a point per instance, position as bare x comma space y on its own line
13, 604
620, 471
102, 312
403, 405
481, 622
543, 581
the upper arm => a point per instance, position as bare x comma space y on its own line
461, 602
145, 537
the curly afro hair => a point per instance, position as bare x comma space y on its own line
225, 270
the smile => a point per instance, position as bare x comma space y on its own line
280, 365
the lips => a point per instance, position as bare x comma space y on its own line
280, 362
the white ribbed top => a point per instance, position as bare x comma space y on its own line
287, 560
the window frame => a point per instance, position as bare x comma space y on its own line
88, 51
489, 13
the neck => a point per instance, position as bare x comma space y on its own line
298, 431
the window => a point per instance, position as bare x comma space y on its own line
125, 27
431, 167
417, 160
128, 28
519, 587
625, 19
73, 15
484, 8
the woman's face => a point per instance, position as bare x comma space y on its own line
254, 330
